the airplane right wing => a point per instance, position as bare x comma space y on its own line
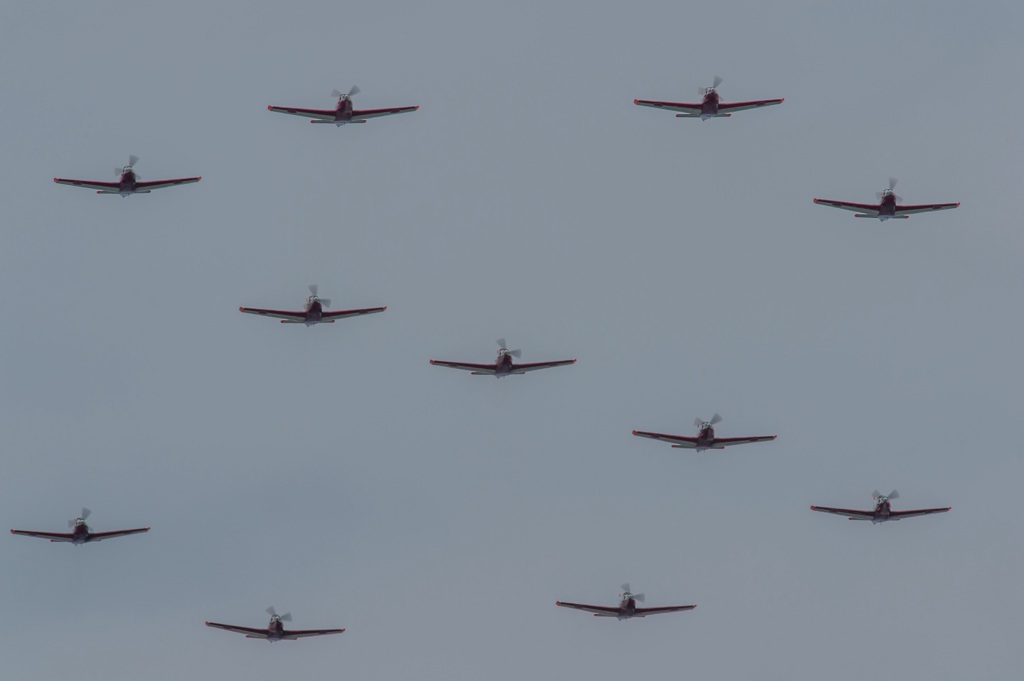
897, 515
52, 536
679, 441
486, 369
741, 106
534, 366
870, 209
693, 109
341, 314
292, 635
248, 631
643, 612
726, 441
89, 184
278, 314
925, 208
848, 512
100, 536
316, 114
150, 185
377, 113
598, 610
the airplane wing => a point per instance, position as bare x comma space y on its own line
52, 536
598, 610
377, 113
848, 512
487, 369
680, 441
726, 441
740, 106
89, 184
898, 515
341, 314
100, 536
870, 209
317, 114
248, 631
279, 314
925, 208
534, 366
644, 612
160, 184
291, 635
672, 106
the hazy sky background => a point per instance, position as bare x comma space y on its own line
333, 473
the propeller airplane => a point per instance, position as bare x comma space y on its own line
129, 181
705, 437
343, 112
710, 105
275, 630
627, 608
882, 512
889, 206
80, 532
315, 312
503, 365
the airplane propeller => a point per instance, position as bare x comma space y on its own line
503, 347
324, 302
627, 593
706, 90
892, 185
891, 495
287, 617
342, 95
132, 160
85, 514
700, 423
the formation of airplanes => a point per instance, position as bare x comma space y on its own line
275, 630
80, 532
627, 607
315, 311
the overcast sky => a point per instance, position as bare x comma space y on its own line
332, 472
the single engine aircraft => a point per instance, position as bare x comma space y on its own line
882, 511
889, 206
710, 105
627, 607
315, 312
275, 630
342, 112
503, 365
705, 437
129, 182
80, 532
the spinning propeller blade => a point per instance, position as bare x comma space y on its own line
287, 617
625, 588
638, 597
313, 288
893, 495
342, 95
85, 513
718, 81
715, 419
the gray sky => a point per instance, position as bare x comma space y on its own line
333, 473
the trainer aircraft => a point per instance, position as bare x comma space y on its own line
80, 532
275, 630
128, 181
710, 105
882, 512
626, 609
314, 313
705, 438
342, 113
889, 206
503, 365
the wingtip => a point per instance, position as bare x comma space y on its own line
635, 432
636, 101
241, 309
431, 361
558, 602
816, 200
57, 179
781, 100
417, 108
270, 107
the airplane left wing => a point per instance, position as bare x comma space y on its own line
848, 512
871, 209
277, 314
925, 208
726, 441
341, 314
302, 633
680, 441
465, 366
52, 536
377, 113
643, 612
897, 515
160, 184
100, 536
598, 610
534, 366
88, 184
248, 631
316, 114
685, 107
740, 106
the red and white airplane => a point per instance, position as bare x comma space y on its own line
129, 182
343, 112
80, 533
889, 206
882, 511
710, 106
315, 312
705, 437
275, 631
503, 366
627, 607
